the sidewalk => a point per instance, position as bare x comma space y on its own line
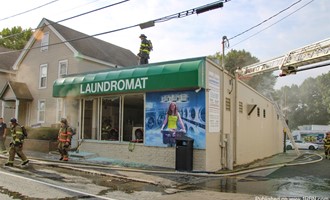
164, 177
91, 158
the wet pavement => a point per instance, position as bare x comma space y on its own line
244, 182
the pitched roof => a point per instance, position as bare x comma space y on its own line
96, 48
7, 60
19, 90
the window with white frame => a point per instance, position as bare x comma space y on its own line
44, 42
41, 110
43, 76
59, 109
62, 68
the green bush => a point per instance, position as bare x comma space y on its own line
42, 133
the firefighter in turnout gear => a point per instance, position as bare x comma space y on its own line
64, 139
16, 145
326, 141
145, 48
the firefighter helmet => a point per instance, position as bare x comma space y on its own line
13, 120
63, 120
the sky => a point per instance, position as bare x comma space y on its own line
266, 29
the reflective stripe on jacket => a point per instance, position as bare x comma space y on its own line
326, 142
17, 134
145, 47
65, 134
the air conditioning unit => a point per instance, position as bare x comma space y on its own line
137, 134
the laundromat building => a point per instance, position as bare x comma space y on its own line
120, 112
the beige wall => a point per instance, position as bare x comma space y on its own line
257, 136
245, 138
29, 70
213, 142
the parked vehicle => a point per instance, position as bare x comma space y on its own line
301, 145
313, 136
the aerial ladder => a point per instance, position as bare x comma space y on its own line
289, 64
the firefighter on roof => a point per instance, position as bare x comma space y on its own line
145, 49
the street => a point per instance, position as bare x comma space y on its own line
64, 181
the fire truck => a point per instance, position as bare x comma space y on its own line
290, 62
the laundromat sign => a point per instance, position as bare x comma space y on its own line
114, 86
166, 76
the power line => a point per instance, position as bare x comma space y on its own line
265, 20
273, 23
29, 10
85, 13
177, 15
79, 15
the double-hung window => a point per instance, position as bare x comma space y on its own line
62, 68
44, 42
43, 76
41, 110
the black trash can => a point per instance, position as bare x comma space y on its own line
184, 154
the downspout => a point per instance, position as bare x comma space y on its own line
222, 92
236, 111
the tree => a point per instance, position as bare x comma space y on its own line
324, 82
307, 104
15, 38
234, 60
289, 101
311, 95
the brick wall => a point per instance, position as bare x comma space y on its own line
154, 156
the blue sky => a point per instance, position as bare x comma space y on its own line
304, 23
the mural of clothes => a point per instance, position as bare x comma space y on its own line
175, 114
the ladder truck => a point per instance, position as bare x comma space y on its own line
289, 63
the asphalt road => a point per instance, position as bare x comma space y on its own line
316, 170
51, 181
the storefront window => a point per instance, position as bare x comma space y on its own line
113, 118
110, 118
133, 118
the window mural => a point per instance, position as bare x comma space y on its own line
170, 115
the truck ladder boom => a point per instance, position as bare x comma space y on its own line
310, 54
285, 125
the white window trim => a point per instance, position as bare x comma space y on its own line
44, 42
59, 68
40, 71
44, 117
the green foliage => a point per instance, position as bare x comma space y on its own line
308, 103
42, 133
15, 38
236, 59
324, 82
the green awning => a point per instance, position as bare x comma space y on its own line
183, 74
